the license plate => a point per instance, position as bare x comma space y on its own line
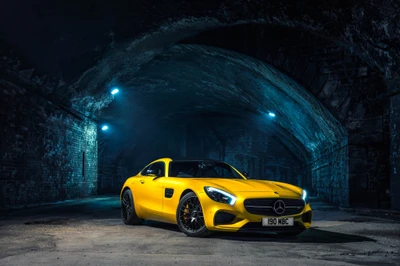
278, 221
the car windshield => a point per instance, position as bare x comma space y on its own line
202, 169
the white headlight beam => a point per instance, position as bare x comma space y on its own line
230, 196
304, 195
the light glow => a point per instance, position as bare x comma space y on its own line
232, 199
104, 128
271, 114
114, 91
304, 196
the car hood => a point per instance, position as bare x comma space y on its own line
243, 185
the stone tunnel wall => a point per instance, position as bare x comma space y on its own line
257, 155
116, 166
395, 152
112, 174
369, 171
111, 178
46, 153
356, 172
369, 159
329, 174
248, 151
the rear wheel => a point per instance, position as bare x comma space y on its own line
128, 212
190, 216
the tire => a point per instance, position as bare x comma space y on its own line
189, 216
128, 213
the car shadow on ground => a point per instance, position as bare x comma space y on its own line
159, 225
312, 235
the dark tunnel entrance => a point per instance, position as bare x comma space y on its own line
214, 93
216, 103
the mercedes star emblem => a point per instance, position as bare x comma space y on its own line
279, 207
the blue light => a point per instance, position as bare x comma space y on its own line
271, 114
114, 91
104, 128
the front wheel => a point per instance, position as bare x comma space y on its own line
189, 216
128, 213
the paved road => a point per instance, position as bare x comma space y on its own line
89, 232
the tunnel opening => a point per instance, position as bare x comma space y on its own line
221, 110
314, 64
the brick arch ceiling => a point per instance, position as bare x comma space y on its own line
124, 57
96, 40
194, 80
93, 45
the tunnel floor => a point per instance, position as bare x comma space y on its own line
90, 232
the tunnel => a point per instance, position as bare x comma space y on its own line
309, 98
115, 114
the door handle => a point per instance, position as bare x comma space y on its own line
142, 181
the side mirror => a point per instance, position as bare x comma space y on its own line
246, 175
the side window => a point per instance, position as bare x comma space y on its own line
225, 172
155, 166
145, 170
183, 169
159, 166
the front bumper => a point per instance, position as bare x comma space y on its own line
227, 218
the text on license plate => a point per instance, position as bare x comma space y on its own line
278, 221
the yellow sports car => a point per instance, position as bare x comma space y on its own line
202, 196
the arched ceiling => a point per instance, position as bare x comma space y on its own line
85, 44
192, 80
79, 50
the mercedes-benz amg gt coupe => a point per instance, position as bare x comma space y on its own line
202, 196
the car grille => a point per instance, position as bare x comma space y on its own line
265, 206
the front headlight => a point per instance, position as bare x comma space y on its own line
220, 196
305, 197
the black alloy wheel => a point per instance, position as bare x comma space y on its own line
128, 212
190, 216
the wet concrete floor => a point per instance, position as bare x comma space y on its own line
90, 232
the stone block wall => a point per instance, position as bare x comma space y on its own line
284, 172
239, 151
329, 172
111, 178
262, 157
248, 151
245, 162
395, 152
116, 164
369, 160
369, 176
46, 153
